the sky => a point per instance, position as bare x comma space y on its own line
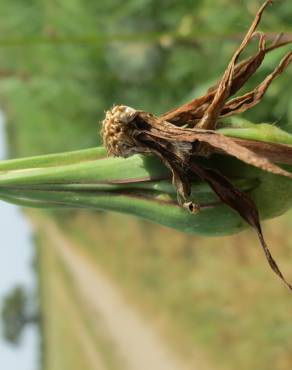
16, 256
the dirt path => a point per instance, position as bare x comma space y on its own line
80, 331
136, 342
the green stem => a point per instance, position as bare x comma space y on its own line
261, 132
109, 170
54, 159
164, 212
141, 185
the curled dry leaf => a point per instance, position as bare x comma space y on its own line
250, 99
197, 112
127, 131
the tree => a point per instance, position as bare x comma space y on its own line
16, 313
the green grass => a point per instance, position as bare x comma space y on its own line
216, 294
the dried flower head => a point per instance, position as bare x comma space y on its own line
116, 131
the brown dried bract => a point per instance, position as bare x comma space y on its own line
127, 131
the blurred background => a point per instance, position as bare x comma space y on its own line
102, 291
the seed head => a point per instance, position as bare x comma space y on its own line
117, 131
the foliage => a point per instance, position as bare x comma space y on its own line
66, 63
